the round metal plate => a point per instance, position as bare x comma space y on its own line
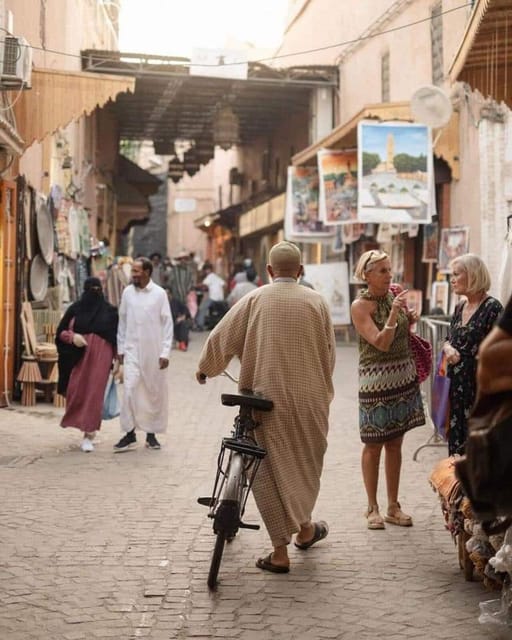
44, 224
38, 278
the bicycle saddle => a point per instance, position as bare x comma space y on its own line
246, 400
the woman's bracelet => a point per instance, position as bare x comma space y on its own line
391, 326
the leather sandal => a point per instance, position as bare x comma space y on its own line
373, 517
395, 515
320, 531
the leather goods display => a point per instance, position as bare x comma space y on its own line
485, 471
440, 408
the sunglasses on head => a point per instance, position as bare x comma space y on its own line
368, 259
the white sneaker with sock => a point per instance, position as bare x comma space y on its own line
87, 445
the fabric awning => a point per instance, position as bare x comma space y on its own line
59, 97
483, 59
344, 136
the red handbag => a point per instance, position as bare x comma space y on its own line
421, 349
422, 354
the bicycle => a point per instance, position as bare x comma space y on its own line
237, 464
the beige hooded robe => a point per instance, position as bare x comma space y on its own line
283, 335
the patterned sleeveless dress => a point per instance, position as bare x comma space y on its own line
389, 394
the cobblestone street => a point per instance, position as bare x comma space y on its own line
115, 546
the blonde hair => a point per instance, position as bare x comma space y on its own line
479, 278
366, 262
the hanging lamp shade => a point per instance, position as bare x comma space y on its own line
175, 169
225, 127
190, 162
204, 152
163, 147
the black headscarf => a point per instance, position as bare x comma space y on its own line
92, 314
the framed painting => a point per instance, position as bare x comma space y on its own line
301, 214
454, 242
337, 172
395, 172
440, 296
430, 251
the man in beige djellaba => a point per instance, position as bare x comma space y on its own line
282, 334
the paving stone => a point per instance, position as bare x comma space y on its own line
133, 563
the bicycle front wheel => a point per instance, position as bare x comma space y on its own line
216, 559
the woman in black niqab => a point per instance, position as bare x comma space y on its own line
86, 343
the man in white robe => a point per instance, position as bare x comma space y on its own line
144, 340
283, 335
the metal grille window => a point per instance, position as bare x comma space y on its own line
384, 77
436, 36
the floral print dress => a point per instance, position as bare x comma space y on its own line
466, 338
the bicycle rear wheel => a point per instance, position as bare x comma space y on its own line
216, 559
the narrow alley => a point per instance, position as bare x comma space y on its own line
115, 546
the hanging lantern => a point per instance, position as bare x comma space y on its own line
225, 127
204, 151
175, 169
190, 162
164, 147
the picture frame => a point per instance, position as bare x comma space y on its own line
430, 250
395, 172
415, 300
337, 170
453, 242
331, 280
302, 223
440, 296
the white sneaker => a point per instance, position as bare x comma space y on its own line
87, 445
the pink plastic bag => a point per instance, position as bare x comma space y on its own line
192, 303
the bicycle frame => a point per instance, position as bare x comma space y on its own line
237, 464
235, 475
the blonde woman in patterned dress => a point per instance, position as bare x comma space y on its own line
389, 395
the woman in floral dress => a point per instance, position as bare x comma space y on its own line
472, 320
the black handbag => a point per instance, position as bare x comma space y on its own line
485, 471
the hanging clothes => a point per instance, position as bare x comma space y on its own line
505, 275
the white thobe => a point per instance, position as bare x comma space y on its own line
144, 336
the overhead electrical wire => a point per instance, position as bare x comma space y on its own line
283, 55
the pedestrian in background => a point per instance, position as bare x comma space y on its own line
283, 335
389, 394
144, 341
472, 320
181, 321
180, 280
158, 275
86, 343
214, 290
241, 288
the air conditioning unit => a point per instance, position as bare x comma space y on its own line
15, 63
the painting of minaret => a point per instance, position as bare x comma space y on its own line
395, 173
390, 153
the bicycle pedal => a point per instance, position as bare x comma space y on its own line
206, 502
244, 525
